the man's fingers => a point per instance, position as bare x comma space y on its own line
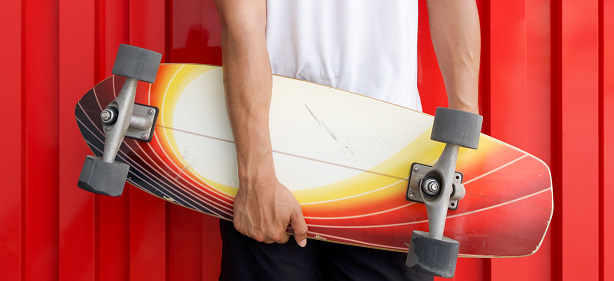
300, 228
283, 239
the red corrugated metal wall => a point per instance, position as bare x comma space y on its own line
544, 88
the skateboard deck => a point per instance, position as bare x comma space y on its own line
346, 157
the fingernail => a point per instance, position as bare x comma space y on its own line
303, 243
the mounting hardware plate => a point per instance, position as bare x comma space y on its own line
141, 114
418, 172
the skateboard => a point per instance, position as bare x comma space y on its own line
361, 169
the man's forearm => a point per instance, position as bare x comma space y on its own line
247, 80
455, 32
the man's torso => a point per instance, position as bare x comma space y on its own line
362, 46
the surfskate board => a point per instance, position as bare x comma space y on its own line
347, 158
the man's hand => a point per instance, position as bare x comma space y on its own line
264, 210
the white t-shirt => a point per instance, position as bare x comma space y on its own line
363, 46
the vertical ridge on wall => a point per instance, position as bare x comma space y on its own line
41, 95
538, 126
607, 138
169, 231
23, 80
556, 131
579, 138
77, 216
11, 211
601, 115
168, 28
41, 140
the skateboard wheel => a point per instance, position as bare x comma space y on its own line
432, 256
457, 127
103, 178
136, 62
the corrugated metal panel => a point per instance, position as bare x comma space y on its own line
544, 87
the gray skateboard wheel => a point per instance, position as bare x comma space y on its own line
103, 178
136, 62
457, 127
432, 256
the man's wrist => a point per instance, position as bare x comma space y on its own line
256, 168
472, 108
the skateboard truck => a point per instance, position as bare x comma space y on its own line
440, 188
122, 118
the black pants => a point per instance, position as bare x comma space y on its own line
246, 259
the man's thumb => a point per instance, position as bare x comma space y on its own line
300, 229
